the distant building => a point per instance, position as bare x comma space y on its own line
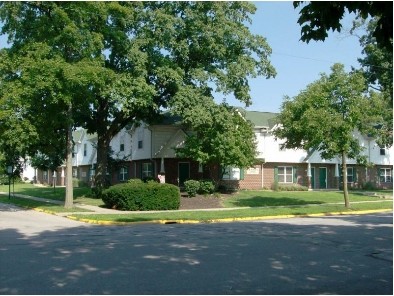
147, 151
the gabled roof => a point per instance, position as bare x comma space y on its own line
260, 119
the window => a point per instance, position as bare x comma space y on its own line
85, 149
385, 175
350, 175
140, 144
382, 151
231, 173
75, 173
285, 174
121, 147
147, 170
123, 174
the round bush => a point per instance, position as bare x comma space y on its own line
192, 187
136, 196
206, 187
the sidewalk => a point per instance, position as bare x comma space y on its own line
99, 210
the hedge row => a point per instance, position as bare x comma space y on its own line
136, 196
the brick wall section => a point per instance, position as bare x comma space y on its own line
251, 181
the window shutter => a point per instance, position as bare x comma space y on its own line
241, 173
355, 176
295, 175
276, 174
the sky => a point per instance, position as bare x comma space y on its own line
297, 63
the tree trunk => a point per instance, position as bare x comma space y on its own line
69, 199
100, 181
344, 176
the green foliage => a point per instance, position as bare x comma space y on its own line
137, 196
326, 115
206, 187
192, 187
377, 68
293, 187
135, 181
221, 135
318, 17
369, 186
121, 62
4, 179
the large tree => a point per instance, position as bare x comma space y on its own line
327, 113
134, 57
318, 17
377, 67
220, 135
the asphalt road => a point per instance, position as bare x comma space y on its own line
46, 254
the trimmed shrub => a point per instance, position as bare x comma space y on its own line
135, 181
206, 187
369, 186
136, 196
294, 187
192, 187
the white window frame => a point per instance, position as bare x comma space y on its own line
123, 174
284, 176
231, 173
147, 170
386, 174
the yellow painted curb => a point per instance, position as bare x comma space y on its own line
107, 222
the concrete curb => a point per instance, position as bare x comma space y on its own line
224, 220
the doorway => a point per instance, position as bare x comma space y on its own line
183, 173
313, 178
323, 178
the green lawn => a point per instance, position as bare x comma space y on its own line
278, 203
252, 198
209, 216
33, 204
81, 194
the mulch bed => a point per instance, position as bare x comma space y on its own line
200, 202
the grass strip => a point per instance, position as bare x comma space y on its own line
39, 205
209, 216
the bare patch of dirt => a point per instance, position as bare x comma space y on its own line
200, 202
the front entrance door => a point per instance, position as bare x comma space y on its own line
183, 172
323, 178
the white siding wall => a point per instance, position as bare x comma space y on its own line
141, 133
123, 137
269, 149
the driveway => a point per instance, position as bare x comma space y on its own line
47, 254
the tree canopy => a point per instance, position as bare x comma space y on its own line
377, 68
119, 62
220, 135
327, 113
318, 17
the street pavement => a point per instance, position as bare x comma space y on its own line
48, 254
